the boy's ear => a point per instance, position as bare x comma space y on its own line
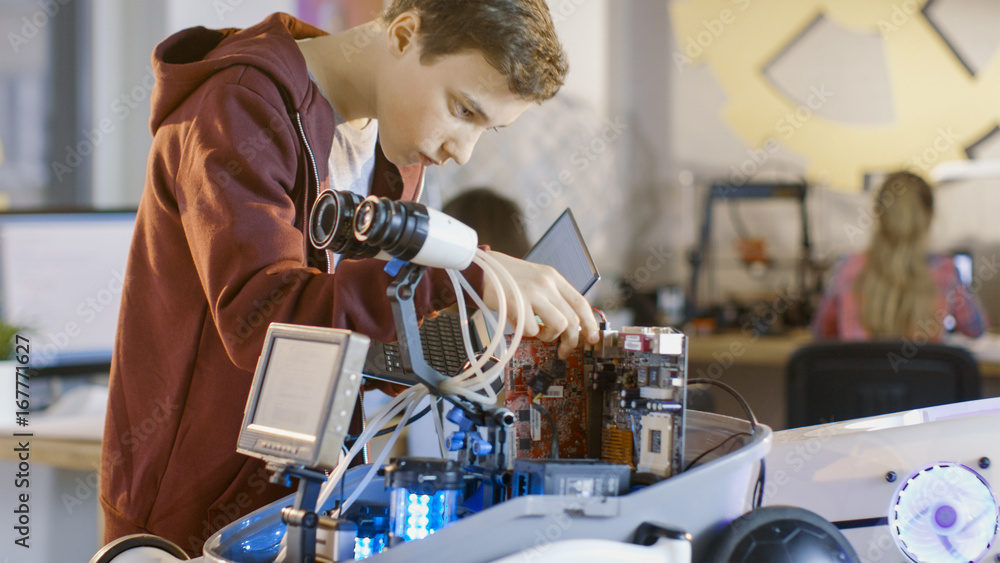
402, 33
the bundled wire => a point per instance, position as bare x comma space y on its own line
473, 383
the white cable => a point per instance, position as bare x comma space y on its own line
498, 337
379, 420
439, 426
456, 385
385, 451
475, 362
465, 384
489, 316
376, 423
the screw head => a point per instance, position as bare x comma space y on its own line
984, 463
890, 476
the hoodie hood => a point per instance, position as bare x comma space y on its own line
183, 61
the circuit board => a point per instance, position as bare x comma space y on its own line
622, 401
560, 390
640, 379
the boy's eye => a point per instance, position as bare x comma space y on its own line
462, 110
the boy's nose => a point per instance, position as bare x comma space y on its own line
460, 148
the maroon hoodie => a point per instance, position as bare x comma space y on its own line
241, 138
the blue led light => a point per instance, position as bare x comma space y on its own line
944, 513
416, 516
365, 547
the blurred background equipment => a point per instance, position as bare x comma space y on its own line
753, 251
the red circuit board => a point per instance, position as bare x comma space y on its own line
566, 401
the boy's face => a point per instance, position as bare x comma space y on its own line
432, 113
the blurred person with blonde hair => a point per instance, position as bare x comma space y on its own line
896, 289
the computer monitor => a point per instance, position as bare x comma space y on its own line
303, 393
61, 277
965, 266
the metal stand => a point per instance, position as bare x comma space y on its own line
400, 293
301, 519
496, 420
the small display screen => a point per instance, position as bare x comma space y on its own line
563, 248
295, 385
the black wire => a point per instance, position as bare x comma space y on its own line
739, 398
340, 507
552, 424
750, 418
758, 490
351, 439
715, 447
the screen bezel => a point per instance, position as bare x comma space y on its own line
546, 238
296, 448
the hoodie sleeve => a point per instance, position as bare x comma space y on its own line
238, 171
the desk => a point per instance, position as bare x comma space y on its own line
75, 454
755, 366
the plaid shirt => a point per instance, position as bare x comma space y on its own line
838, 316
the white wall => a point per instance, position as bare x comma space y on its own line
125, 32
582, 26
181, 14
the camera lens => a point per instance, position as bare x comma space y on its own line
397, 227
331, 225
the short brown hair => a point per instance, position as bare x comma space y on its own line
516, 37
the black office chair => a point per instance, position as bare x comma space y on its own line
834, 381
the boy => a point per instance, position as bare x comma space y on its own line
243, 124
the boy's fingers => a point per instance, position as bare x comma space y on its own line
553, 320
584, 312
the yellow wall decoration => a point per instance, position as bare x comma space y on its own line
940, 108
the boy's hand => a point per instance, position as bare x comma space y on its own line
564, 313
